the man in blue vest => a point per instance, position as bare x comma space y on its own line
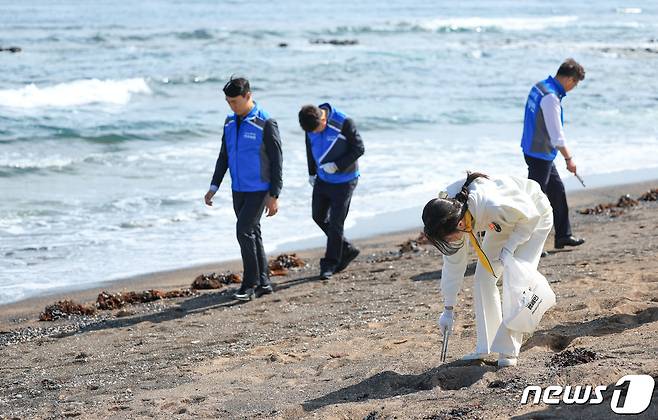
543, 137
251, 151
333, 147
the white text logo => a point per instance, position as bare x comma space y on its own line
631, 395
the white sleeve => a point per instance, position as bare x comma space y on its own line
452, 274
523, 225
550, 106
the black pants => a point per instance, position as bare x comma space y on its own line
546, 175
249, 207
331, 203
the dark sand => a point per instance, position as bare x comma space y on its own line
362, 345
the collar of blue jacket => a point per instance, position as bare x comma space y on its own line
558, 87
330, 111
250, 115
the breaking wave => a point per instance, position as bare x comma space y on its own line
468, 24
75, 93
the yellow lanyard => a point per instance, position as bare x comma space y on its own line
468, 221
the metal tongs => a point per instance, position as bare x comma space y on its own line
444, 349
580, 179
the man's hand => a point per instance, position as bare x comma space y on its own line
447, 321
209, 196
271, 206
329, 167
571, 166
568, 158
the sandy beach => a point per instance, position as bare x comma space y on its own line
363, 345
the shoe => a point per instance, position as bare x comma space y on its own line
505, 360
348, 256
544, 254
476, 356
327, 269
244, 294
263, 290
568, 241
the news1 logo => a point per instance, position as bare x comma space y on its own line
631, 395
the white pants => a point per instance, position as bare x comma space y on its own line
492, 335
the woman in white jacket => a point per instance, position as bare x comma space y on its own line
501, 217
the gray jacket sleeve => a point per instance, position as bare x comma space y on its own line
220, 167
310, 160
356, 145
272, 141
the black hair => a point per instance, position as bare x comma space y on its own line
571, 68
441, 216
238, 86
310, 117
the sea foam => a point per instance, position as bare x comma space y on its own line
75, 93
510, 24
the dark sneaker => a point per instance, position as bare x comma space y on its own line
263, 290
348, 256
244, 294
327, 269
568, 241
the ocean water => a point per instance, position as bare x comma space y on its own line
111, 116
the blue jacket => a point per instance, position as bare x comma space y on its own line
251, 150
536, 141
340, 143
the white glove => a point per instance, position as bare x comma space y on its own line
447, 321
311, 180
505, 256
329, 167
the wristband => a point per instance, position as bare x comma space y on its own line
568, 159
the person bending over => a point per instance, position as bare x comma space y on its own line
333, 147
501, 217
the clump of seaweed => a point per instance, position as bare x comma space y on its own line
573, 357
281, 264
414, 245
651, 195
64, 309
107, 300
612, 209
214, 280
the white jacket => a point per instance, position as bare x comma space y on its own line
507, 208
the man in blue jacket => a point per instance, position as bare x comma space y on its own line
333, 147
543, 137
251, 151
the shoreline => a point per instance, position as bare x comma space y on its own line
363, 231
28, 309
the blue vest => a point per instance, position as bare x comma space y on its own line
247, 160
329, 145
535, 141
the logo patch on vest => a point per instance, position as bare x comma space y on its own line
251, 136
494, 226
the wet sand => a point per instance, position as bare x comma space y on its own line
361, 345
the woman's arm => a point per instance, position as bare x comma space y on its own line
452, 275
523, 224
